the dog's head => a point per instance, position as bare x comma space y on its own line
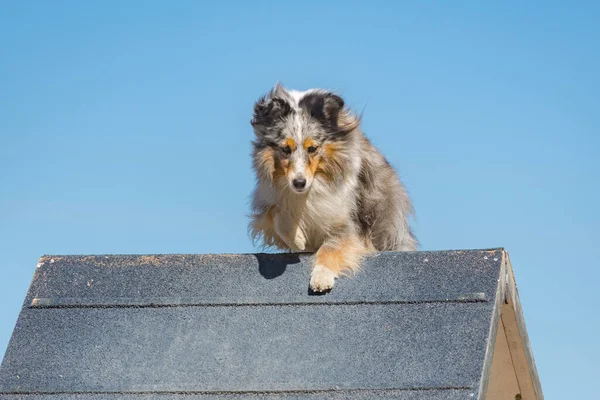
301, 136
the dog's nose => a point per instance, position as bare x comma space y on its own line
299, 183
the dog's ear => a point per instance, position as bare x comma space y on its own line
328, 109
270, 108
332, 106
324, 107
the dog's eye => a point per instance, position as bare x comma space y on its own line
287, 149
311, 149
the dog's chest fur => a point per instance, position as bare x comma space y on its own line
321, 211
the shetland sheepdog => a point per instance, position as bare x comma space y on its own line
322, 186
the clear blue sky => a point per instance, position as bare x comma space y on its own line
124, 128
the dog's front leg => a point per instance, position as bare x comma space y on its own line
337, 256
289, 231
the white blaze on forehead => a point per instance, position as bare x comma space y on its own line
297, 129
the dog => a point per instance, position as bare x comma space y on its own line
321, 186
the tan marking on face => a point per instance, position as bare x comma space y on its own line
290, 142
280, 170
327, 165
286, 168
313, 165
309, 142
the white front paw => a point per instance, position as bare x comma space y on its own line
321, 278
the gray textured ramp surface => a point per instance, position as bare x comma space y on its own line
261, 278
444, 394
409, 326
